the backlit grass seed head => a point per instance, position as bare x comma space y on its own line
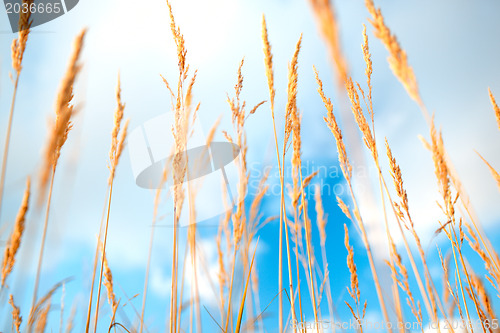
291, 104
14, 241
108, 280
344, 208
334, 128
402, 280
296, 140
473, 241
268, 61
180, 128
360, 118
398, 61
64, 111
118, 134
16, 315
354, 291
397, 178
441, 169
118, 116
179, 42
19, 44
369, 70
108, 283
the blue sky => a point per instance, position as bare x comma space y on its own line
452, 46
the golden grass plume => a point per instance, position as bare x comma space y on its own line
14, 241
19, 44
398, 60
64, 111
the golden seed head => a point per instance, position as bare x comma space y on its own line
14, 241
398, 61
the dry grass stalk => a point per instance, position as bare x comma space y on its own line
402, 212
108, 283
292, 126
268, 60
322, 219
239, 218
57, 137
291, 104
96, 261
243, 297
191, 236
455, 303
117, 142
238, 117
495, 107
118, 136
354, 291
344, 208
255, 223
357, 110
254, 220
325, 16
331, 121
14, 240
402, 207
166, 170
443, 177
297, 227
347, 171
224, 229
16, 315
180, 131
473, 240
19, 44
402, 280
222, 273
398, 60
370, 141
17, 53
368, 71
